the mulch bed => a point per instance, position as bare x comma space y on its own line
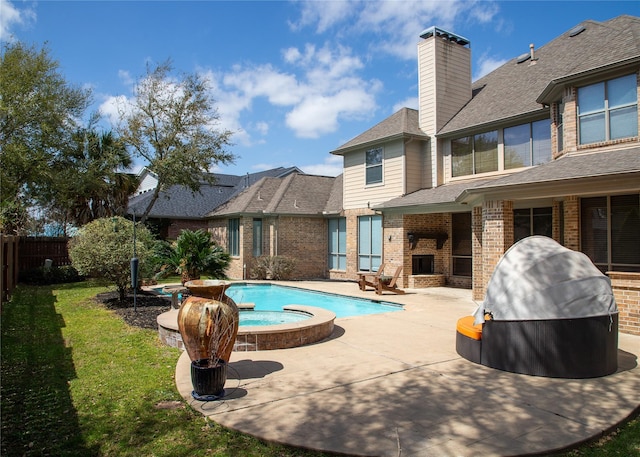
148, 307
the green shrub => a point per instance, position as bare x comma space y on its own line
272, 267
193, 254
104, 247
53, 275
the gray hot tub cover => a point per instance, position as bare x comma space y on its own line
538, 278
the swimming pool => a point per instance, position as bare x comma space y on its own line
271, 297
270, 304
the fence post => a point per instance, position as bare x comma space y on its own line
9, 261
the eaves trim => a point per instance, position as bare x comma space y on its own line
357, 147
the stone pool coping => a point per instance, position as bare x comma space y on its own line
259, 338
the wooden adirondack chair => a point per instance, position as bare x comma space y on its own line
383, 283
369, 278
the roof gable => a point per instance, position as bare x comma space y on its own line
403, 123
294, 194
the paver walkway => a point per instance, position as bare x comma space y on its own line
393, 385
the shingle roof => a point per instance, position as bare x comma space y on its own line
574, 167
334, 204
403, 123
614, 163
294, 194
444, 194
179, 202
512, 90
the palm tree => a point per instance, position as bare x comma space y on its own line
91, 180
194, 253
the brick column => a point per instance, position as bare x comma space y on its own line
393, 246
557, 217
572, 222
497, 235
626, 290
570, 121
476, 240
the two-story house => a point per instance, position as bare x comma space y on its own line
545, 144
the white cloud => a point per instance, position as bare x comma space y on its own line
10, 16
262, 127
324, 14
393, 25
487, 65
112, 106
126, 78
319, 114
411, 102
321, 88
332, 166
291, 55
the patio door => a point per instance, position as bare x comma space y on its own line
369, 243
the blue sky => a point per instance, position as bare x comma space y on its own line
293, 79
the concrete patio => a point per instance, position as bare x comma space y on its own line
393, 385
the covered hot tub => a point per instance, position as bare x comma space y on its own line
548, 311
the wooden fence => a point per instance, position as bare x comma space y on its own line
34, 250
9, 257
25, 253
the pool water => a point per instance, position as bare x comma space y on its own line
270, 297
270, 317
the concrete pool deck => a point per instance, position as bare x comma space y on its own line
393, 385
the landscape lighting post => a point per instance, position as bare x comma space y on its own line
134, 266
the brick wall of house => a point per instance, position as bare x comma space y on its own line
497, 237
422, 226
478, 286
178, 225
572, 222
626, 289
218, 229
304, 239
570, 119
394, 243
557, 211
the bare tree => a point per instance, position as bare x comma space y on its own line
171, 123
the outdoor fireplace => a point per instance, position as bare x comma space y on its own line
422, 264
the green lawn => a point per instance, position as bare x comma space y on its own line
77, 381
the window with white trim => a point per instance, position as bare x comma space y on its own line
233, 237
475, 154
373, 166
532, 221
338, 243
369, 243
527, 144
461, 245
608, 110
257, 237
609, 228
560, 127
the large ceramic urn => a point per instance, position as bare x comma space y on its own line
208, 321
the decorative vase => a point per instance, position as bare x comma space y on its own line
208, 323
